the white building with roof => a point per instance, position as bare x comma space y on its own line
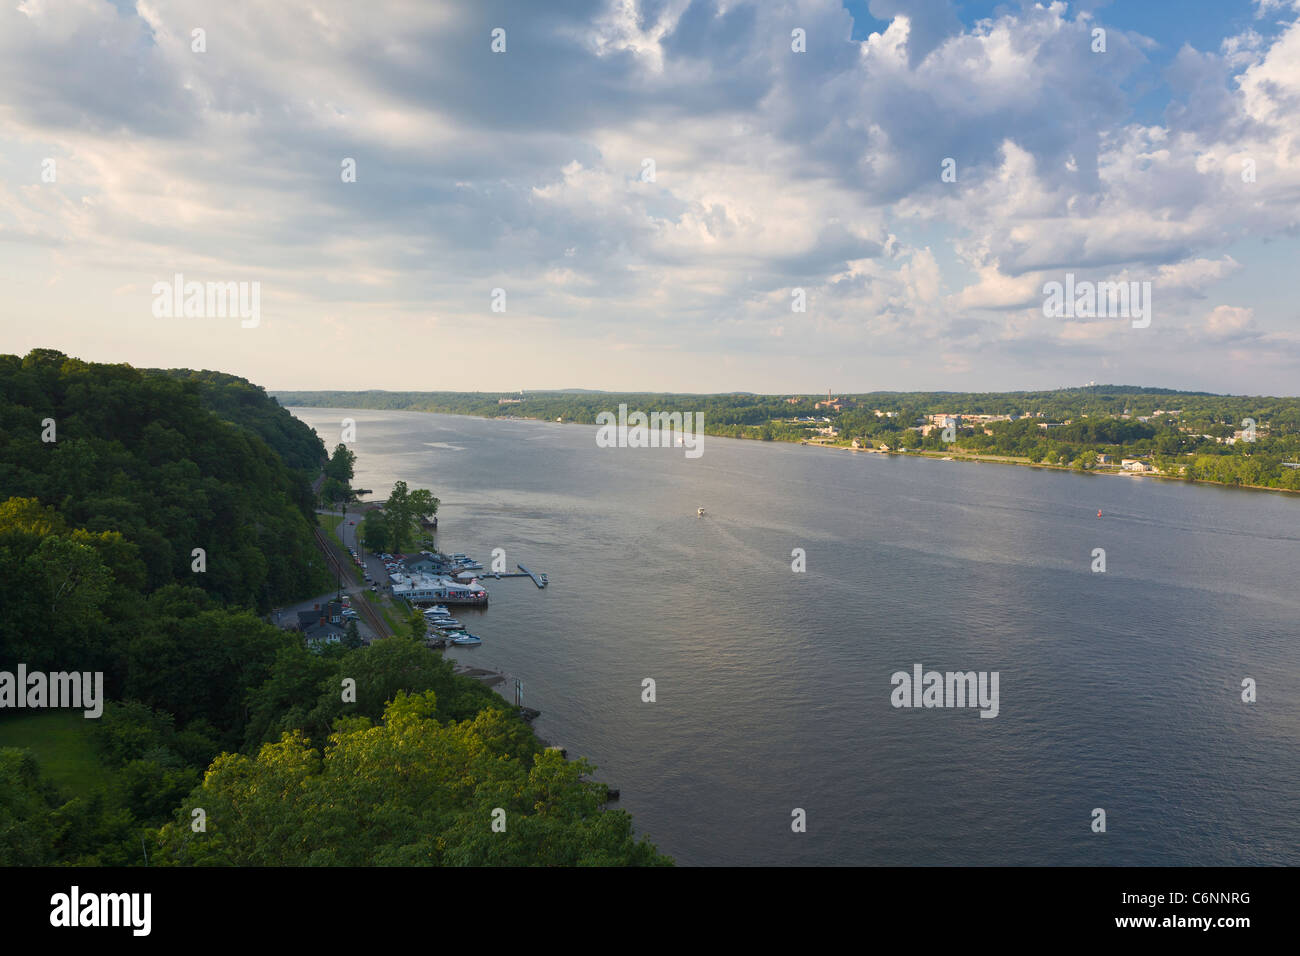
432, 589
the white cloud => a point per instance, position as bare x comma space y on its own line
521, 170
1228, 319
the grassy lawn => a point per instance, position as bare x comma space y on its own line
383, 606
60, 740
331, 524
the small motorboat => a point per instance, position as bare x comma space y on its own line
466, 640
699, 512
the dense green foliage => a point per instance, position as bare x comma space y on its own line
417, 789
137, 454
96, 532
27, 828
1176, 445
238, 400
302, 691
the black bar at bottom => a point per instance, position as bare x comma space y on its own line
942, 905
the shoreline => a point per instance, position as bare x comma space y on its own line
989, 460
1003, 460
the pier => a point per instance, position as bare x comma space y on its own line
538, 579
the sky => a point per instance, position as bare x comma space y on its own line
640, 195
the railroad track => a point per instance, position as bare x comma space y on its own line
372, 616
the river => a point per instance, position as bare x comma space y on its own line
1118, 690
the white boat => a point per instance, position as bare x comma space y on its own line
436, 611
699, 512
466, 640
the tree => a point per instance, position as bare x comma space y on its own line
340, 465
423, 505
203, 665
398, 514
27, 830
403, 508
352, 636
416, 625
283, 701
333, 491
57, 584
374, 531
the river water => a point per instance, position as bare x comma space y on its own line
1118, 690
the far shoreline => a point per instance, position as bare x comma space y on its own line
1003, 460
934, 456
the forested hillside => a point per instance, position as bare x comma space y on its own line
110, 477
238, 400
137, 454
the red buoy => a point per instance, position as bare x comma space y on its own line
1098, 512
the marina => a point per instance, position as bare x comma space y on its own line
440, 580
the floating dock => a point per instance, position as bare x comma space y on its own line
538, 579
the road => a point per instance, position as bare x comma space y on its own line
348, 533
340, 562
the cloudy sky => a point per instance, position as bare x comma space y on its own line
649, 182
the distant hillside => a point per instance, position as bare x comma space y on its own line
724, 412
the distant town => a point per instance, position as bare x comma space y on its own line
1248, 441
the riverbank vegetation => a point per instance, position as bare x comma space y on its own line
148, 523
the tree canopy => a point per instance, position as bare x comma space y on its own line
411, 790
